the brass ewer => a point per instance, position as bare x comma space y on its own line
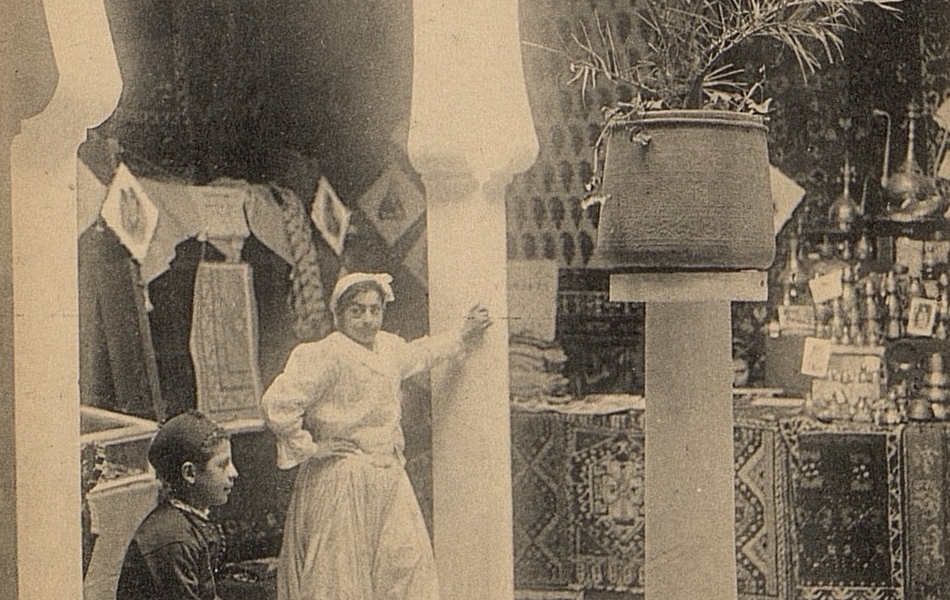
844, 210
911, 195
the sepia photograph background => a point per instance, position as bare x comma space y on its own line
287, 143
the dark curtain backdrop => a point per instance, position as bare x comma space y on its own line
279, 91
220, 88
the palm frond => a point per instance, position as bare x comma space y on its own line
690, 42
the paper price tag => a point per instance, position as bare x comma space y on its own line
826, 287
797, 318
931, 289
815, 357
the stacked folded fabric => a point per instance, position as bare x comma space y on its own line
535, 368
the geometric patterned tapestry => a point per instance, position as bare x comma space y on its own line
223, 342
606, 472
540, 501
761, 501
578, 504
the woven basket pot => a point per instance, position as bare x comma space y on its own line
686, 190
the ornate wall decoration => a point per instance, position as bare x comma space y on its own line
546, 218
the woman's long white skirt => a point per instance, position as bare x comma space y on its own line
354, 531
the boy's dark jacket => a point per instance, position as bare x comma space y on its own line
173, 555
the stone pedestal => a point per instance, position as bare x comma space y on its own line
689, 495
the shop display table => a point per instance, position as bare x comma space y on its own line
844, 511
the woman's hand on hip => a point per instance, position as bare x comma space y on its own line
334, 447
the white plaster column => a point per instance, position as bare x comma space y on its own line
43, 181
689, 494
470, 132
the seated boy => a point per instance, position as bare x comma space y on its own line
176, 549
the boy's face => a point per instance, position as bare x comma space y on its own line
362, 317
214, 480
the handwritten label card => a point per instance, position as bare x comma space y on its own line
815, 357
826, 287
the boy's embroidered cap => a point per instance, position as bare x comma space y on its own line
180, 439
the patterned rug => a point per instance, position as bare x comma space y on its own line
761, 548
540, 501
578, 505
927, 451
606, 476
846, 507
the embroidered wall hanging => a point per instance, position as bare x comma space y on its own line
224, 341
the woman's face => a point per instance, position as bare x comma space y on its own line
362, 317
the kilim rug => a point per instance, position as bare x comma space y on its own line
927, 451
761, 501
540, 501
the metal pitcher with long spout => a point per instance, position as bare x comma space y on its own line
908, 184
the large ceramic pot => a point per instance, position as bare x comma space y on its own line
686, 190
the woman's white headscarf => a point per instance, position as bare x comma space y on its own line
381, 279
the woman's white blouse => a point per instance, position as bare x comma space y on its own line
338, 389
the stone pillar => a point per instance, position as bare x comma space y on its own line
689, 496
470, 132
43, 178
27, 81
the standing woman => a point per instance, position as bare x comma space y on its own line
354, 530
